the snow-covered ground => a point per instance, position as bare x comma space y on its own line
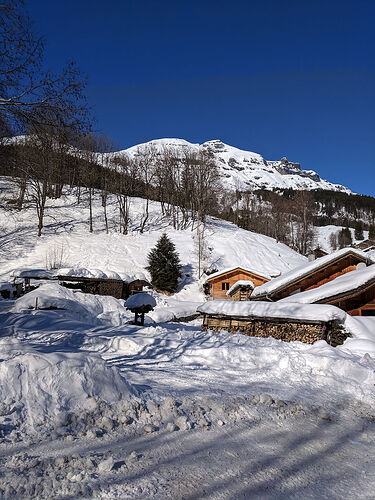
96, 407
93, 406
323, 233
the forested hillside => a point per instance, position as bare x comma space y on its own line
188, 189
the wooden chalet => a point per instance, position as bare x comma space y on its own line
313, 274
218, 284
354, 293
366, 245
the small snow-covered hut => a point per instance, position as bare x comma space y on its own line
241, 290
366, 245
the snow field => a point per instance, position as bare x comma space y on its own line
66, 235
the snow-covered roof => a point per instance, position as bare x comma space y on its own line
301, 271
139, 300
239, 283
348, 282
82, 272
34, 273
260, 309
230, 269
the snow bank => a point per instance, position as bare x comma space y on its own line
139, 300
174, 310
307, 312
41, 385
93, 309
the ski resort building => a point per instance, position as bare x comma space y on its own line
313, 274
218, 284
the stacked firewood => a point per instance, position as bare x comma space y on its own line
286, 331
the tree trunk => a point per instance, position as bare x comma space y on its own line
90, 206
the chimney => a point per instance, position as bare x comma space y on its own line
311, 257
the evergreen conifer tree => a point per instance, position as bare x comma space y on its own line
358, 232
164, 265
345, 237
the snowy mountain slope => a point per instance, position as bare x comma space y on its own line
66, 236
244, 170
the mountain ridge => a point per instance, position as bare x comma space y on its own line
245, 170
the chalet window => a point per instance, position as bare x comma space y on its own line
225, 286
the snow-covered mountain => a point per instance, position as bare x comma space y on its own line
245, 170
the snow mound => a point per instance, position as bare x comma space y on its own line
93, 309
41, 386
307, 312
174, 310
139, 300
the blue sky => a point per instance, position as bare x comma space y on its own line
281, 78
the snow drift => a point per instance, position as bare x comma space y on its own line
40, 385
92, 309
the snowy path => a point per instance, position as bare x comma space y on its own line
257, 457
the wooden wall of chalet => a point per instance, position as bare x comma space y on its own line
319, 277
216, 284
358, 302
